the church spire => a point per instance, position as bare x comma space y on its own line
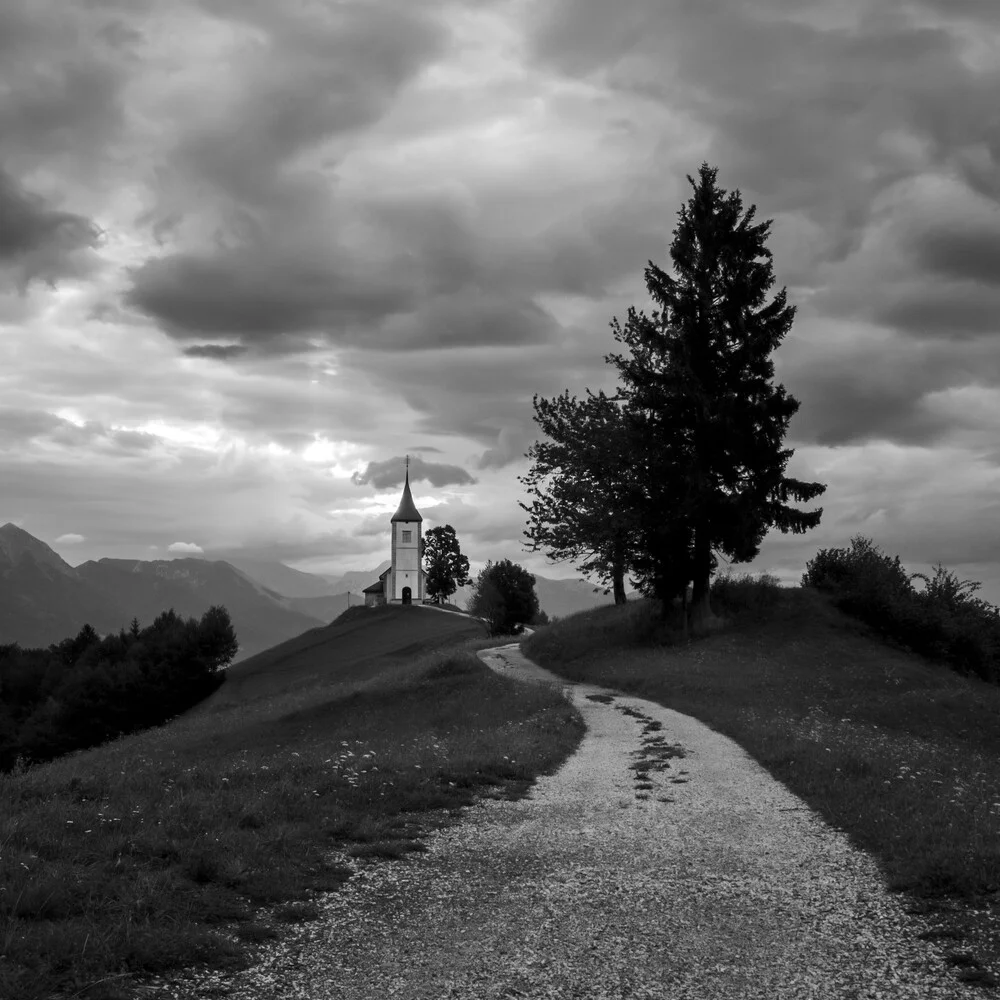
407, 510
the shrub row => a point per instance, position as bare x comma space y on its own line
943, 621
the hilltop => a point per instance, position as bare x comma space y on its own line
359, 644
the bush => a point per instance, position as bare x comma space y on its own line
942, 622
504, 597
745, 593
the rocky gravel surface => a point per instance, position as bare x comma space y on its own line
659, 862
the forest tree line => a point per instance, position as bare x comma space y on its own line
86, 690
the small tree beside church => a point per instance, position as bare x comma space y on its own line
445, 568
504, 597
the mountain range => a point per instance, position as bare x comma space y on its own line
44, 600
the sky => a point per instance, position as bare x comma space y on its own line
252, 254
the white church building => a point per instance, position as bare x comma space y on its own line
403, 581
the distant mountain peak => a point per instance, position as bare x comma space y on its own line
16, 543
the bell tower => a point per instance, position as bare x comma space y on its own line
405, 582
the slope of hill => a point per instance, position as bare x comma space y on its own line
276, 576
190, 587
258, 810
325, 609
897, 750
353, 646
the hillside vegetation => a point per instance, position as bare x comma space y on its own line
194, 842
900, 751
83, 691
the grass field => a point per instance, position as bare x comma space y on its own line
901, 753
195, 842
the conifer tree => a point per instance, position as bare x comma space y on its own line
703, 411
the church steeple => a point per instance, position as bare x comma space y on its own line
407, 510
406, 575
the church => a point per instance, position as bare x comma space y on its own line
403, 581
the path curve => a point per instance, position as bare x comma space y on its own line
720, 884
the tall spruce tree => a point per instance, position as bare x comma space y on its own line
582, 482
703, 410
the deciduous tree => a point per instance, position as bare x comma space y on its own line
445, 568
504, 595
582, 482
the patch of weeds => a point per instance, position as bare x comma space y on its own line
628, 710
249, 821
604, 699
297, 913
940, 934
254, 933
639, 795
979, 976
644, 786
386, 849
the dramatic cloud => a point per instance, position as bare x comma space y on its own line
219, 352
39, 241
392, 471
250, 249
185, 548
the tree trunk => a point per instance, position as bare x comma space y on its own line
701, 614
618, 572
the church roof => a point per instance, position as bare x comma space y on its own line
407, 510
375, 588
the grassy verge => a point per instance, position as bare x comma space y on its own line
901, 753
191, 843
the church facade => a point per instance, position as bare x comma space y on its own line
403, 581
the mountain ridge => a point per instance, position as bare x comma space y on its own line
44, 600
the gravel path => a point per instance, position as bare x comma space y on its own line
719, 884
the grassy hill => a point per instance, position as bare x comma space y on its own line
899, 751
360, 644
191, 843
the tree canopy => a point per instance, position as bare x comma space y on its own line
445, 568
704, 413
686, 460
582, 483
504, 596
85, 690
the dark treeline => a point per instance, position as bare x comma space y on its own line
83, 691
